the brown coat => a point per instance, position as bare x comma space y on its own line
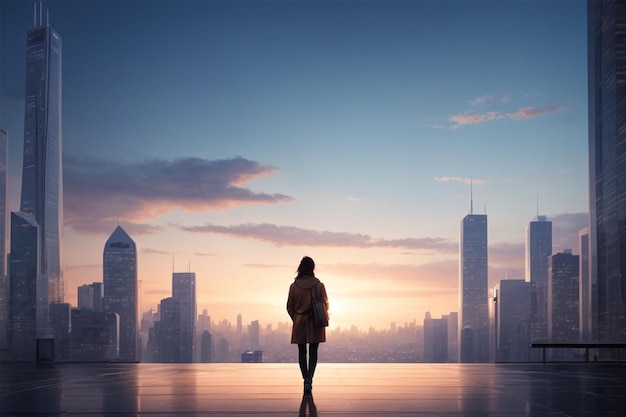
299, 307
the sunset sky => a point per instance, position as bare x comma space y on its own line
232, 138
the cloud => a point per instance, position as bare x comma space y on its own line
481, 100
204, 254
532, 112
431, 126
97, 191
565, 228
150, 251
462, 180
294, 236
82, 267
471, 117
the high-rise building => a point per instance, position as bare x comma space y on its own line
563, 298
473, 293
184, 290
169, 337
538, 249
435, 339
513, 324
4, 163
28, 296
607, 163
4, 283
586, 289
120, 289
95, 335
42, 178
91, 296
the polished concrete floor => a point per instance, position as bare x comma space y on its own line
441, 390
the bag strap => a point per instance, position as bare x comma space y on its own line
313, 298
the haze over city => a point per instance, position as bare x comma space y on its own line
232, 138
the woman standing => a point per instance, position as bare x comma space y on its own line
299, 307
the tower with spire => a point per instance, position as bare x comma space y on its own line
473, 283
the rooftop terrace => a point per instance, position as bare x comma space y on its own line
442, 390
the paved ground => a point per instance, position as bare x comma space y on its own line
441, 390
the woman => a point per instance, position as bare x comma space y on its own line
299, 307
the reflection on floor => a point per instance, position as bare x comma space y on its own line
442, 390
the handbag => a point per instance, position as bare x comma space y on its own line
320, 315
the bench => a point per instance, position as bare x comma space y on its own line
585, 346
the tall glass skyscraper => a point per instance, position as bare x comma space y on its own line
607, 163
538, 250
4, 283
120, 289
184, 291
42, 180
563, 315
473, 293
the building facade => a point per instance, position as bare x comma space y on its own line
42, 179
473, 292
184, 290
563, 316
538, 249
120, 289
607, 163
28, 302
513, 320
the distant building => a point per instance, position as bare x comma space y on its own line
95, 335
254, 335
169, 337
205, 347
473, 311
120, 289
538, 249
250, 356
184, 290
514, 317
563, 298
607, 164
60, 316
91, 296
435, 339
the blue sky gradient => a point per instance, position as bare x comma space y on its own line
239, 136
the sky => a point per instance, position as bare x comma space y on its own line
232, 138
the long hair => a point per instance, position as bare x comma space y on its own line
306, 267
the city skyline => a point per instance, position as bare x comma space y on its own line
346, 131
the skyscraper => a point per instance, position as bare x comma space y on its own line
4, 162
42, 179
184, 291
28, 301
4, 283
513, 323
607, 163
538, 249
120, 289
473, 294
563, 298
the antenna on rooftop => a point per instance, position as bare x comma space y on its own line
471, 195
172, 262
537, 205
